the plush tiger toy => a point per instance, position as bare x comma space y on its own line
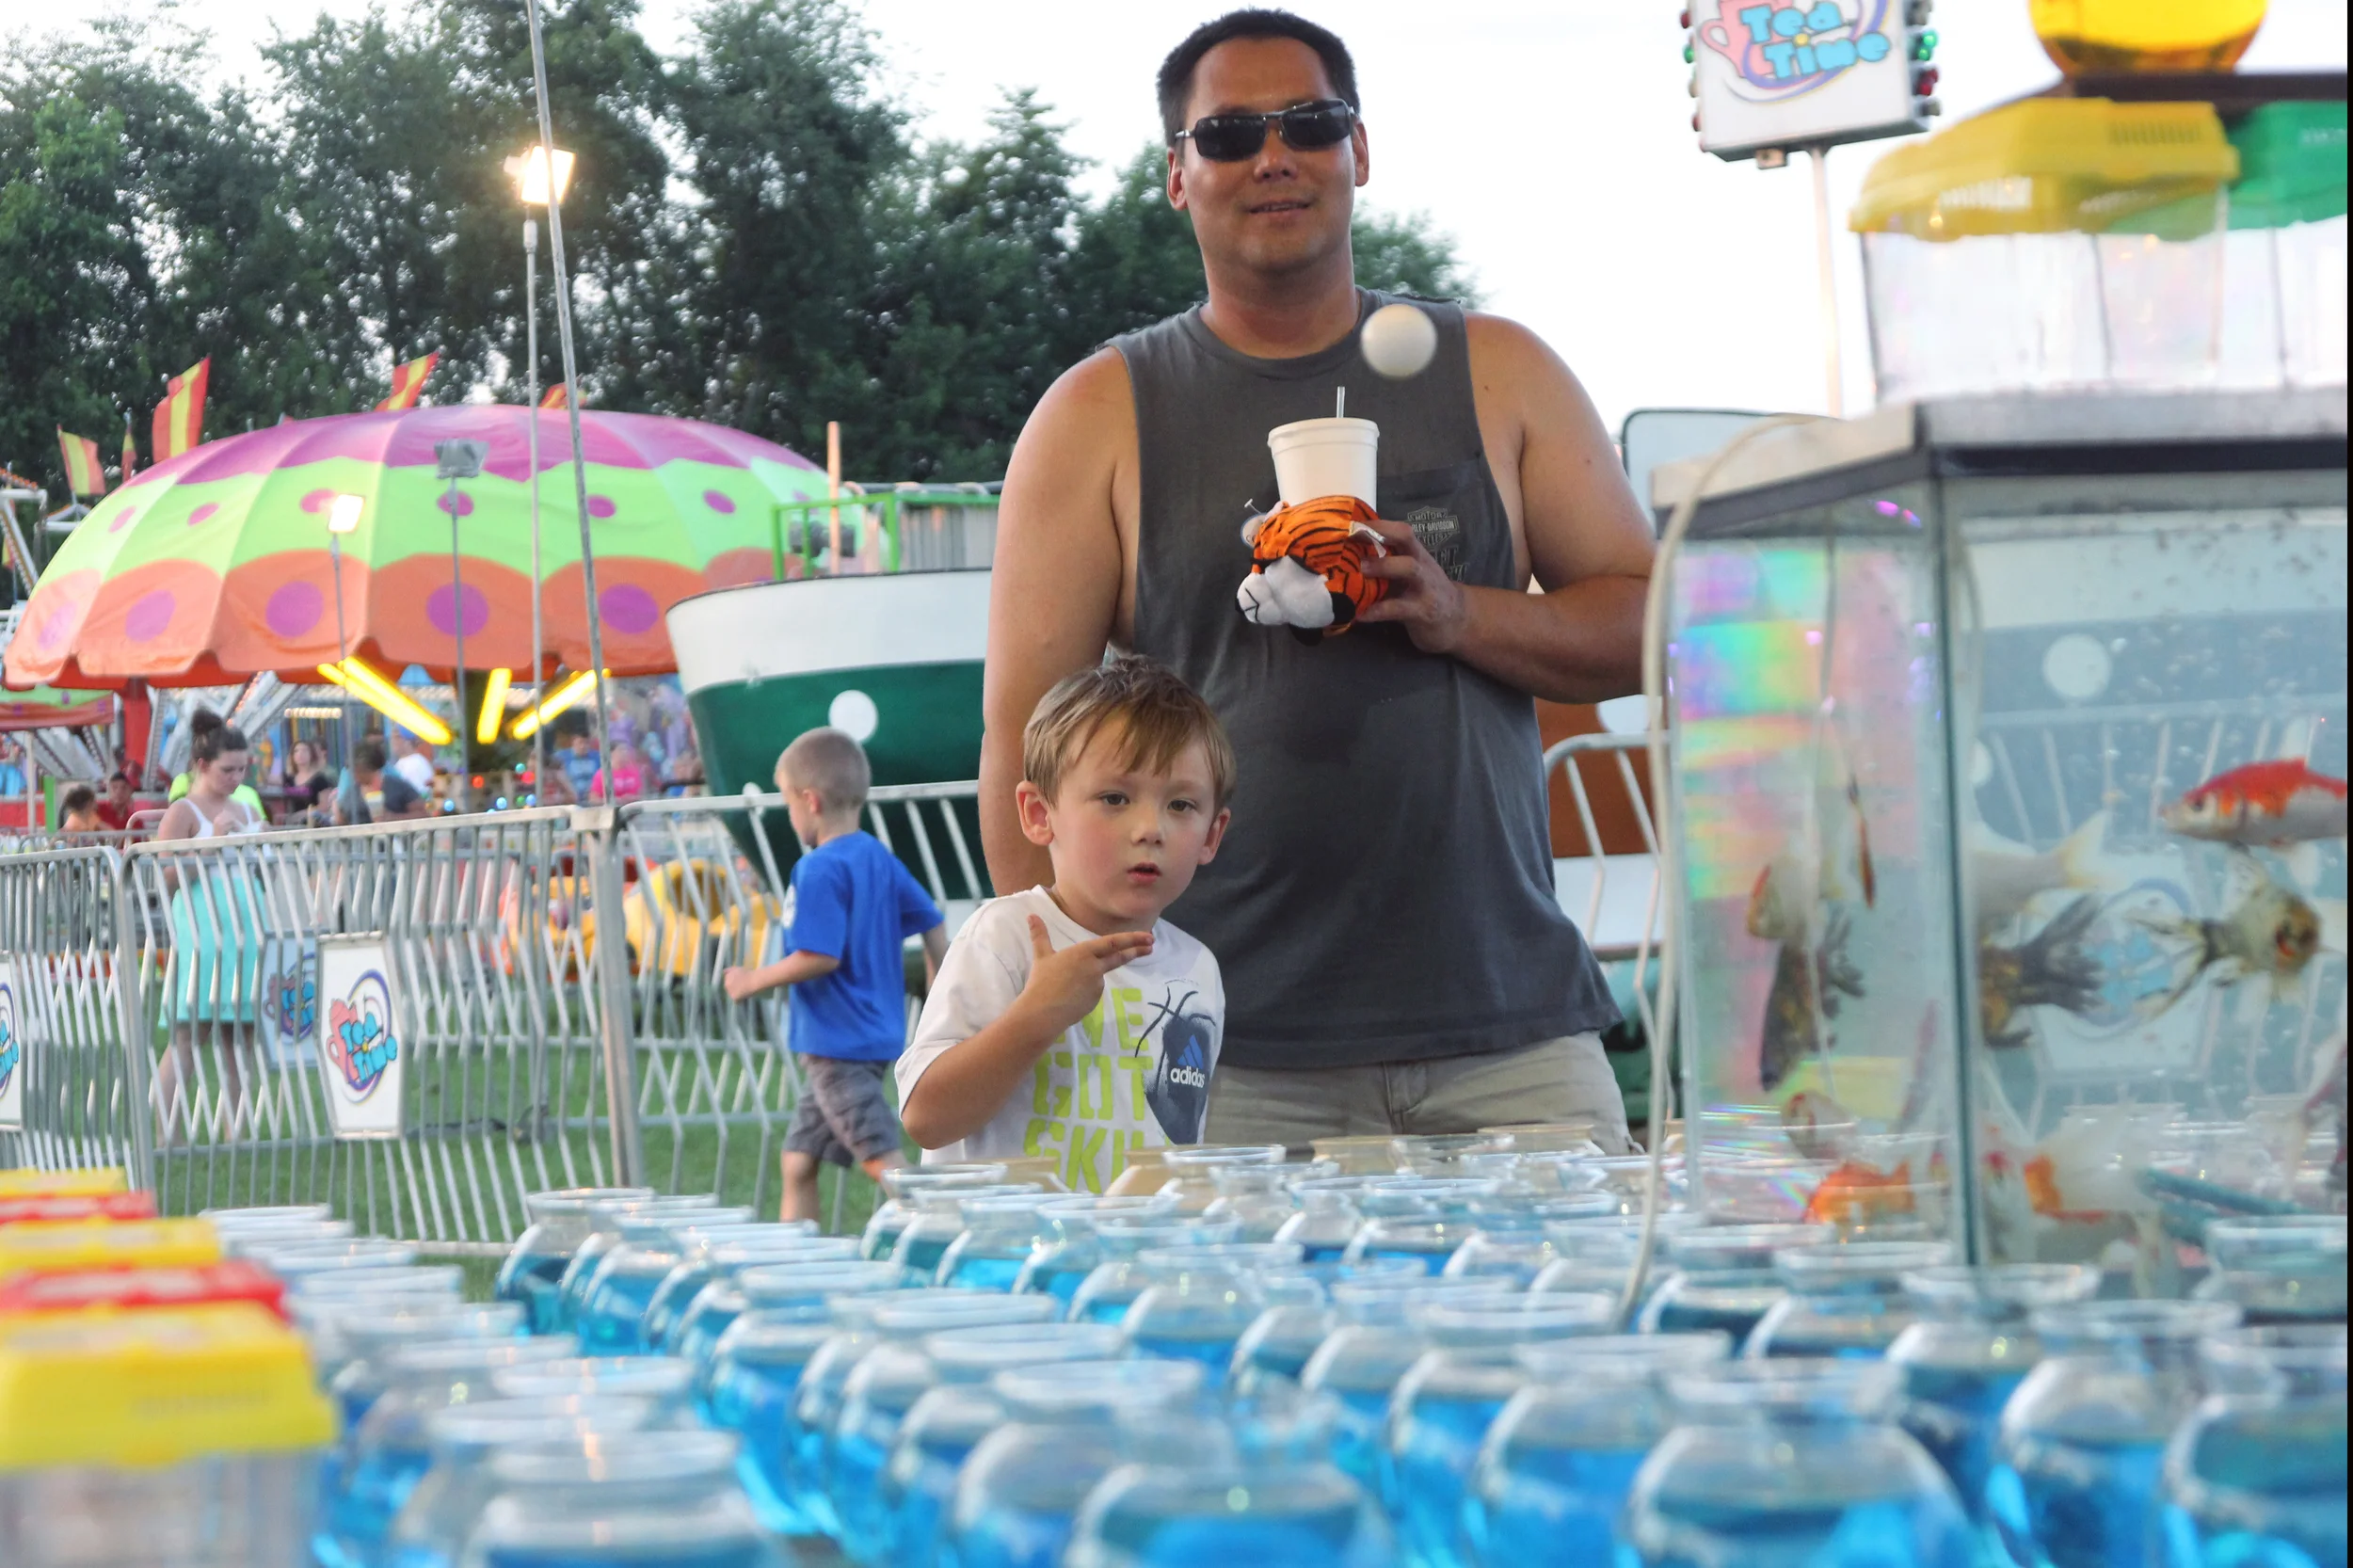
1306, 567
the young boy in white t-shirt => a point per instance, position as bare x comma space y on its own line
1071, 1020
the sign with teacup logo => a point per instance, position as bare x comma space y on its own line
362, 1059
290, 999
13, 1046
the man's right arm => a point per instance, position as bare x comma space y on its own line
1054, 595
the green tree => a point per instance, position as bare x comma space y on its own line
971, 309
70, 271
792, 156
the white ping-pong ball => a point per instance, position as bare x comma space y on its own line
1399, 341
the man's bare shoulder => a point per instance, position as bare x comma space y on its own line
1503, 348
1093, 396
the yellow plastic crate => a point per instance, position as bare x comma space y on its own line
2052, 166
141, 1243
21, 1182
136, 1390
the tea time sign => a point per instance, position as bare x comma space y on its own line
1785, 74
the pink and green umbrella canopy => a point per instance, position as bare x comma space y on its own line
215, 565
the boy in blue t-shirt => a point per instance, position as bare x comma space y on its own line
855, 907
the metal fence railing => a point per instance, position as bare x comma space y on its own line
63, 1013
487, 926
556, 991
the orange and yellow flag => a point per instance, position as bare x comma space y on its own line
83, 474
130, 450
407, 381
179, 417
558, 395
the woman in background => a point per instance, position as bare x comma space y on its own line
211, 982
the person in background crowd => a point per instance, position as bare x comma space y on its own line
580, 763
203, 724
216, 928
308, 781
77, 811
115, 810
380, 792
13, 781
415, 763
629, 776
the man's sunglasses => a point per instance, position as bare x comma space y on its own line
1307, 128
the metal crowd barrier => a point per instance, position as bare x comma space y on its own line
503, 1019
171, 991
62, 1012
705, 891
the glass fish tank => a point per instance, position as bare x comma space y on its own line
2009, 762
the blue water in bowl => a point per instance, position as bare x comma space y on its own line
1557, 1506
746, 1554
612, 1322
2077, 1504
754, 1402
922, 1256
1215, 1352
1955, 1412
534, 1281
2278, 1498
1051, 1279
1924, 1532
1357, 1438
1430, 1467
1004, 1537
988, 1274
855, 1482
374, 1489
1310, 1538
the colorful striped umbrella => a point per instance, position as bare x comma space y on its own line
47, 708
213, 564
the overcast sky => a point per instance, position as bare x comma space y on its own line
1550, 138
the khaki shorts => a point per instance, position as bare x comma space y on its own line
1552, 1081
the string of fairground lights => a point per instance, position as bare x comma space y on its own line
1671, 935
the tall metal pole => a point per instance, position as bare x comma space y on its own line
572, 386
530, 355
342, 654
457, 621
1825, 261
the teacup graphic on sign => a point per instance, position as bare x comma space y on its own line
360, 1039
1783, 50
11, 1048
294, 1004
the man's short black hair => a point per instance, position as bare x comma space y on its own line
368, 756
77, 800
1175, 80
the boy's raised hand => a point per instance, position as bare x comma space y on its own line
1066, 986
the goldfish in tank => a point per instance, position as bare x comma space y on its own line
1786, 897
2006, 876
2272, 931
1808, 984
2263, 803
1856, 1193
2048, 969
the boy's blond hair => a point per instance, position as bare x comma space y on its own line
830, 763
1158, 715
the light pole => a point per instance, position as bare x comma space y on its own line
572, 386
341, 517
453, 461
541, 175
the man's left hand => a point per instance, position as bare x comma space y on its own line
1431, 607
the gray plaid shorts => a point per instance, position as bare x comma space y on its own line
844, 1117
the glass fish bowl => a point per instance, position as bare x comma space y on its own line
2010, 748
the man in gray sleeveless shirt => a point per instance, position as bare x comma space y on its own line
1382, 909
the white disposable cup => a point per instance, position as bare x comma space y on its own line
1325, 456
